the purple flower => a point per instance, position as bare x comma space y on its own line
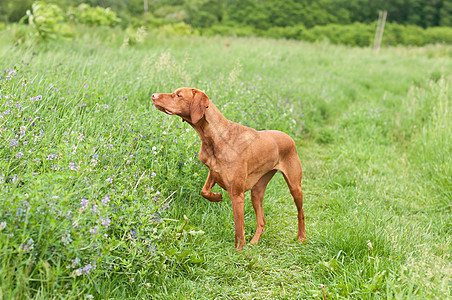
109, 180
157, 218
28, 246
153, 174
71, 166
19, 155
93, 230
105, 222
94, 209
51, 156
84, 204
87, 269
75, 262
14, 142
37, 98
106, 200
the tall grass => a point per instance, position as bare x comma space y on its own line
95, 183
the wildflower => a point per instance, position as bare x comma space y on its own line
37, 98
84, 204
71, 166
132, 280
369, 246
66, 239
14, 142
2, 225
87, 268
94, 209
11, 73
106, 200
51, 156
28, 246
75, 262
22, 130
89, 297
109, 180
93, 162
157, 218
105, 222
19, 155
153, 174
93, 230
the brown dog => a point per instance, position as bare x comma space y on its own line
239, 158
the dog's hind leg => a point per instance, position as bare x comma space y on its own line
291, 169
257, 198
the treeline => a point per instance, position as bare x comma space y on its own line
351, 22
261, 14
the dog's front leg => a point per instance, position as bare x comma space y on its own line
238, 202
207, 190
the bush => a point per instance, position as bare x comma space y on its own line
396, 34
292, 32
85, 14
179, 29
48, 21
362, 35
433, 35
226, 30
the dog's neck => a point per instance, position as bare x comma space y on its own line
211, 128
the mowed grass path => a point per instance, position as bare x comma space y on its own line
373, 135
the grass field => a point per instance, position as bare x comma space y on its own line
95, 182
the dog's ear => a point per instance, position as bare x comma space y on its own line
198, 106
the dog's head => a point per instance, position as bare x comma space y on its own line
189, 104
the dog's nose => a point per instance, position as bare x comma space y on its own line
155, 96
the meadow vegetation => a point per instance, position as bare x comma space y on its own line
100, 192
415, 23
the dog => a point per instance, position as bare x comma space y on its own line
239, 158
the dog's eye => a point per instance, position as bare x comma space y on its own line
178, 95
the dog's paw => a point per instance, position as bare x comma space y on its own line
217, 197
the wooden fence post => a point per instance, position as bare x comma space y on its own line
380, 29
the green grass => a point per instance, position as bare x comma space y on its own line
374, 134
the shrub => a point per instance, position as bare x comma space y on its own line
227, 30
179, 29
48, 21
85, 14
435, 35
292, 32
